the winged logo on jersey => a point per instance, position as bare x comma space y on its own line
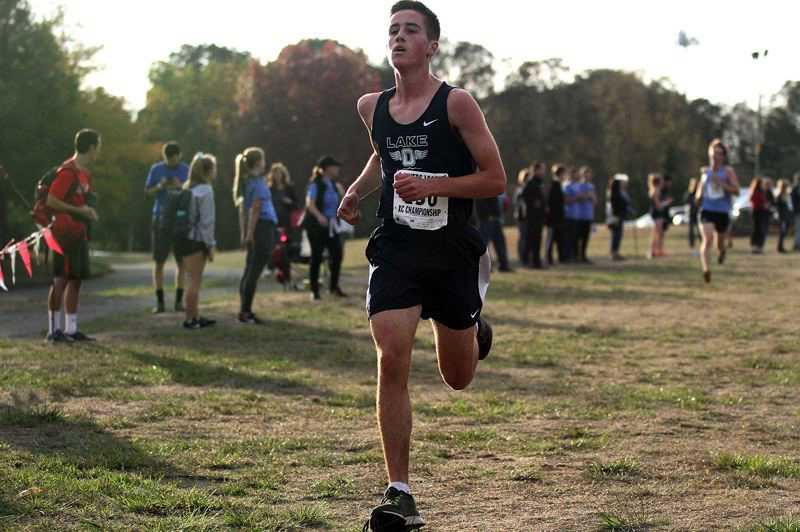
408, 156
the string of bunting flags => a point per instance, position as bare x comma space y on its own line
22, 248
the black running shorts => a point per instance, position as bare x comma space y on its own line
448, 278
720, 220
74, 263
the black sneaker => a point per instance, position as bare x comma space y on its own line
192, 324
179, 307
159, 308
249, 318
58, 337
78, 336
484, 338
205, 322
397, 512
721, 258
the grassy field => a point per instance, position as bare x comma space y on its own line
618, 397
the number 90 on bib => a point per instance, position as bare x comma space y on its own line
428, 214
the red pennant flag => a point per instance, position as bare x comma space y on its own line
51, 242
25, 255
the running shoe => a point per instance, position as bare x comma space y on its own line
249, 318
159, 308
58, 337
315, 296
205, 322
721, 258
78, 336
192, 324
707, 276
397, 513
179, 306
484, 338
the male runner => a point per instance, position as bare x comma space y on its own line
436, 154
165, 176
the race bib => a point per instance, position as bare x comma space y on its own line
715, 191
428, 214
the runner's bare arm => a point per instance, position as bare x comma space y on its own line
732, 185
369, 179
490, 179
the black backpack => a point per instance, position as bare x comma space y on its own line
176, 223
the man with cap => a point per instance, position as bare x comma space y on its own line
322, 202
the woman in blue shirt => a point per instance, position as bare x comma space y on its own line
253, 197
584, 214
322, 201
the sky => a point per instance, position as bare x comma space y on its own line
639, 36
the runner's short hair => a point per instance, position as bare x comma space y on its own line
559, 169
432, 27
171, 149
85, 139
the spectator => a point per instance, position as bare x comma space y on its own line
197, 248
521, 214
554, 217
760, 208
694, 212
259, 235
320, 221
784, 209
71, 198
283, 194
572, 199
535, 207
490, 224
165, 177
617, 208
796, 208
666, 197
585, 214
659, 206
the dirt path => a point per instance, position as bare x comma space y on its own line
126, 289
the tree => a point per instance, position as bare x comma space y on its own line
192, 100
466, 65
303, 105
39, 105
781, 154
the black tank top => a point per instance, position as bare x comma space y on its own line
427, 145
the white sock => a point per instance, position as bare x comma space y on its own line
54, 320
400, 486
71, 324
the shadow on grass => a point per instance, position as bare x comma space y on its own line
571, 295
74, 443
195, 373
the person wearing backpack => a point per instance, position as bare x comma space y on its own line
193, 229
68, 198
165, 178
262, 220
320, 221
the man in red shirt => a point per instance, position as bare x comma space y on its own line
70, 197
